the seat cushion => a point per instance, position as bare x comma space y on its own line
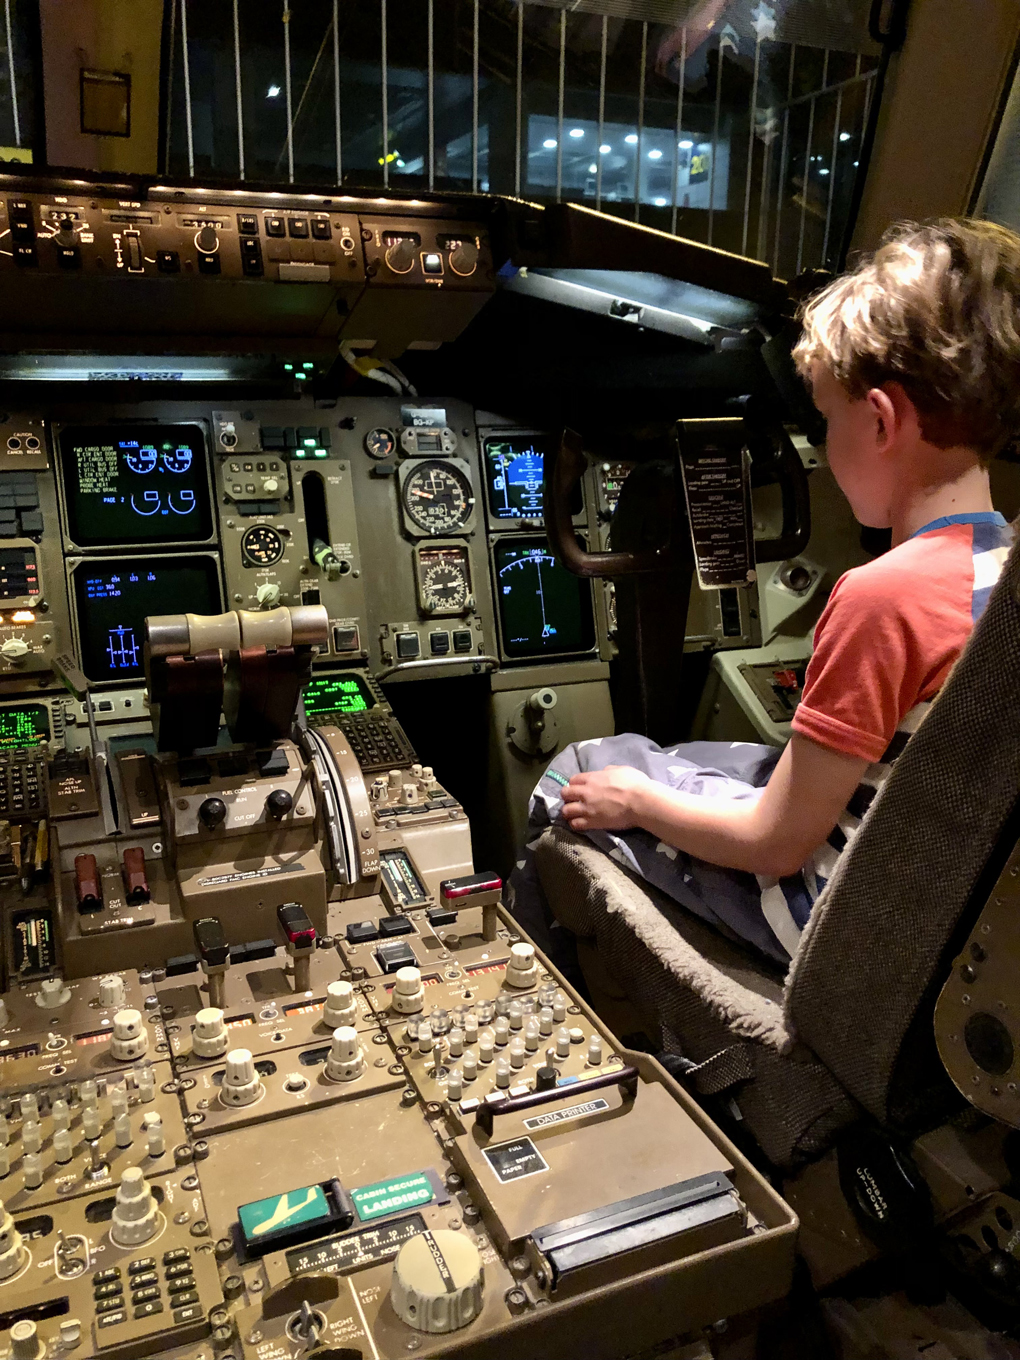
699, 995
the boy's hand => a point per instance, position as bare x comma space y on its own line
604, 799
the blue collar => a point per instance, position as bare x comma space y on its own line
972, 517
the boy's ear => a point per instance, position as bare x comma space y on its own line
894, 412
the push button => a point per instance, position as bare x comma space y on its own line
275, 226
168, 262
462, 640
209, 264
408, 646
297, 226
246, 225
439, 643
321, 229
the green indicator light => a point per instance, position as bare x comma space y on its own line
321, 453
308, 443
289, 368
301, 376
307, 365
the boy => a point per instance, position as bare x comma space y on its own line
914, 360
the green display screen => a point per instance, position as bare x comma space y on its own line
347, 693
26, 726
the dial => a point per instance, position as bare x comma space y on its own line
437, 498
177, 460
444, 584
380, 443
141, 460
261, 546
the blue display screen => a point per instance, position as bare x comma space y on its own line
136, 485
113, 599
515, 474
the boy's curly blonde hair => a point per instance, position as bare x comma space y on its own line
936, 309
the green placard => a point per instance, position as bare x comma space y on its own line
390, 1197
265, 1216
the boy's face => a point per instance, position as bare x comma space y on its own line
856, 448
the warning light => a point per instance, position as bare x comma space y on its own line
23, 616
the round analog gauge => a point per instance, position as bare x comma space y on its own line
437, 498
261, 546
141, 460
380, 443
177, 460
444, 581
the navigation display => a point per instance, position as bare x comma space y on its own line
25, 726
543, 608
515, 477
113, 598
347, 693
135, 485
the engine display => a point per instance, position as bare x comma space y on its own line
437, 498
113, 598
543, 608
135, 485
444, 579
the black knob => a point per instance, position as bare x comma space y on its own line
212, 813
464, 260
278, 804
207, 239
546, 1078
66, 236
400, 256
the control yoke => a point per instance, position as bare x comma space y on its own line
249, 665
766, 443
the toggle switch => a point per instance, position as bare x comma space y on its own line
136, 880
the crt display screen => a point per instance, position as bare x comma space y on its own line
112, 600
543, 608
130, 485
514, 471
347, 693
25, 726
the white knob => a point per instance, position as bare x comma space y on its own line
470, 1029
14, 649
135, 1212
70, 1333
209, 1038
122, 1130
562, 1042
409, 793
531, 1035
456, 1042
91, 1124
145, 1080
111, 992
155, 1136
454, 1084
3, 1013
31, 1136
62, 1146
517, 1052
52, 993
29, 1106
470, 1065
437, 1281
130, 1039
502, 1073
340, 1008
89, 1094
25, 1342
516, 1015
268, 594
61, 1112
545, 1020
559, 1008
595, 1050
408, 994
485, 1046
270, 485
119, 1100
346, 1062
395, 778
241, 1083
425, 1041
502, 1030
31, 1169
522, 970
10, 1245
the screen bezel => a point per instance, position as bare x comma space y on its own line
75, 564
587, 604
357, 676
129, 429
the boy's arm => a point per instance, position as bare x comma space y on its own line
772, 835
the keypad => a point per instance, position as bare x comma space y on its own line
22, 785
377, 740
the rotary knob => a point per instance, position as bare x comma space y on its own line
210, 1037
135, 1212
400, 256
408, 995
212, 813
268, 595
10, 1245
206, 240
464, 260
522, 969
278, 804
53, 992
26, 1344
340, 1008
130, 1040
111, 992
14, 649
271, 485
65, 235
346, 1061
242, 1085
437, 1281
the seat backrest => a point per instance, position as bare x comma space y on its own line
881, 938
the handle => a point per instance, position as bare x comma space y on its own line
793, 483
568, 466
626, 1078
433, 663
